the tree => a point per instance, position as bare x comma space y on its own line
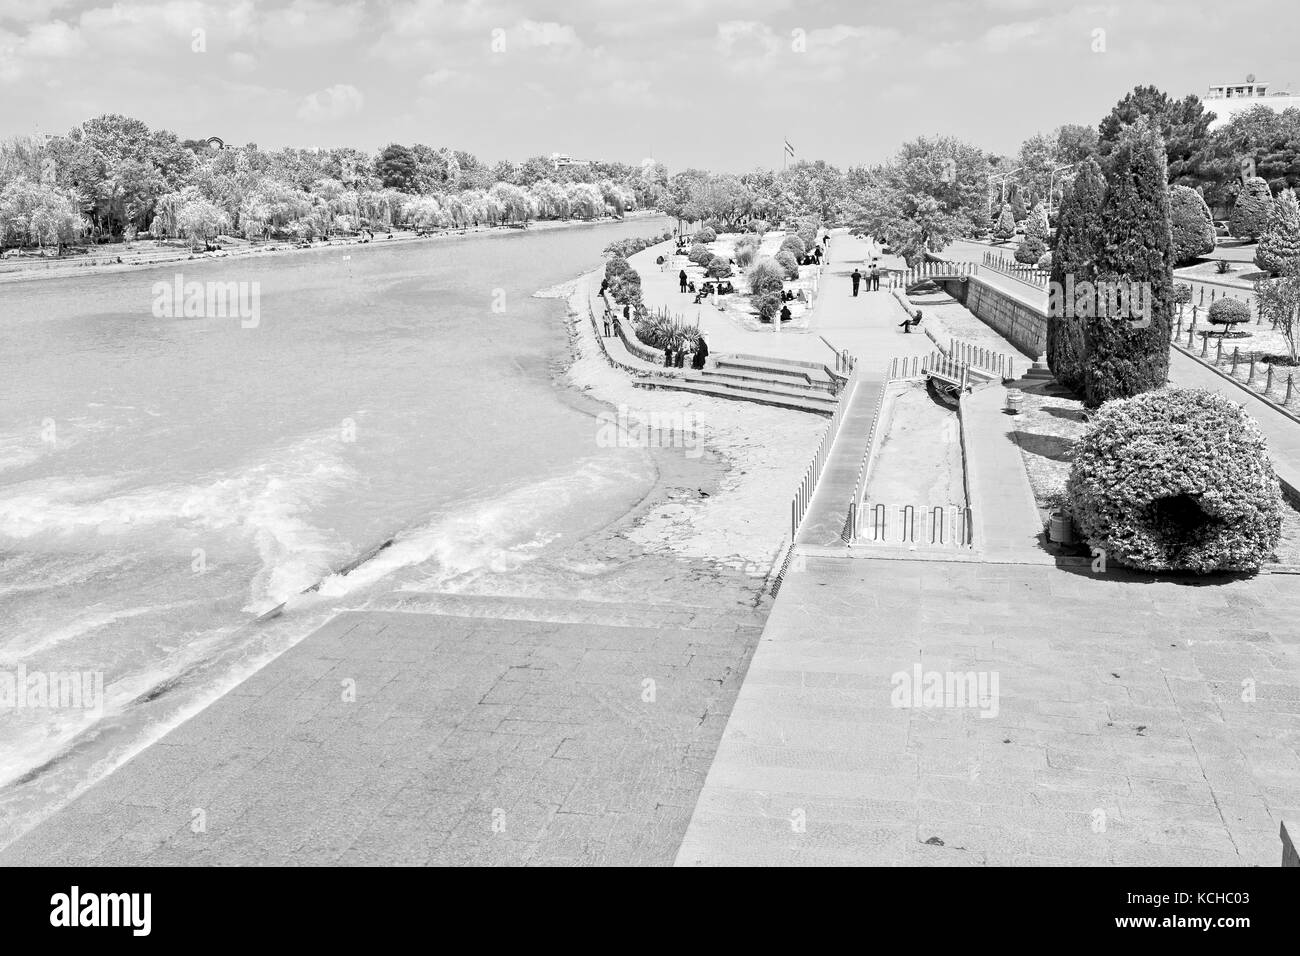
1075, 249
1280, 243
766, 280
1075, 143
932, 192
1038, 157
199, 219
1228, 312
1034, 244
1268, 139
1017, 203
1251, 211
1006, 227
1279, 302
1128, 355
1193, 230
396, 167
1183, 126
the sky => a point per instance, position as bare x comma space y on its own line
716, 84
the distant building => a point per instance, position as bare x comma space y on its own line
559, 160
1226, 100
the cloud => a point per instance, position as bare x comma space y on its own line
332, 103
1004, 36
54, 40
242, 62
440, 77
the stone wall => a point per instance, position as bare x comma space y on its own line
1019, 323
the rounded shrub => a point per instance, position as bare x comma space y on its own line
1045, 262
788, 263
718, 268
766, 276
759, 226
1176, 479
700, 254
767, 305
706, 235
1228, 312
793, 245
617, 266
1189, 218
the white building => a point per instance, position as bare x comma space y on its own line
564, 159
1226, 100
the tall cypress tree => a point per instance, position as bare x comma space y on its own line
1074, 261
1128, 354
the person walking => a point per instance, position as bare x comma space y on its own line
607, 318
857, 280
681, 279
875, 279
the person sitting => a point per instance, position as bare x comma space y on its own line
785, 313
690, 286
910, 323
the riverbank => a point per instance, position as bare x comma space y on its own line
672, 590
148, 253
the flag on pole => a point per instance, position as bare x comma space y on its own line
788, 148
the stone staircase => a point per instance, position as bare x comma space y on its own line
780, 383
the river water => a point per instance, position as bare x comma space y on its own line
166, 480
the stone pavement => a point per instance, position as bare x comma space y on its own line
468, 740
1119, 733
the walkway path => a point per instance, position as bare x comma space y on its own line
1119, 734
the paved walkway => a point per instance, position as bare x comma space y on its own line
504, 731
868, 327
1119, 735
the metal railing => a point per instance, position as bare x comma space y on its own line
998, 363
932, 526
937, 269
812, 474
860, 483
1030, 275
1261, 376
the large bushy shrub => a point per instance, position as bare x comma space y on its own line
700, 254
767, 305
1251, 211
765, 275
793, 245
1176, 479
617, 266
1074, 255
746, 251
1280, 243
759, 226
1228, 312
718, 268
706, 235
1189, 219
1017, 203
1126, 355
788, 263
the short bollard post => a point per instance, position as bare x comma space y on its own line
1268, 381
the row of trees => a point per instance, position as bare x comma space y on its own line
113, 176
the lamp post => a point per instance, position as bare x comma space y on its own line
1001, 180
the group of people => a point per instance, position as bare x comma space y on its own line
872, 277
676, 358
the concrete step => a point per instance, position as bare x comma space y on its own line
762, 383
805, 376
803, 403
570, 610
